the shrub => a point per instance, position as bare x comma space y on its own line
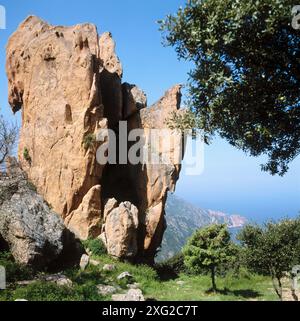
96, 246
26, 155
272, 249
89, 140
172, 267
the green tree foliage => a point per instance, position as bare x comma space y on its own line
245, 83
272, 249
209, 248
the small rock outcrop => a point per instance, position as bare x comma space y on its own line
59, 279
84, 262
125, 276
109, 267
106, 289
131, 295
68, 83
33, 233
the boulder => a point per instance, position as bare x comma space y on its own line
125, 276
34, 234
131, 295
94, 262
84, 262
121, 228
109, 267
106, 289
59, 279
133, 286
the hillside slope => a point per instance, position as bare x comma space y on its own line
184, 218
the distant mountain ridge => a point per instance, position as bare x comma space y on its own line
184, 218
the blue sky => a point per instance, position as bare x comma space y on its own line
231, 181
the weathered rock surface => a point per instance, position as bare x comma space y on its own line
59, 279
34, 234
120, 229
94, 262
52, 75
84, 262
131, 295
134, 286
109, 267
134, 100
68, 83
125, 276
106, 289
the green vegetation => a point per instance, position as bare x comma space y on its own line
273, 249
46, 291
242, 272
245, 82
195, 288
172, 268
26, 155
89, 140
208, 249
14, 272
245, 286
96, 246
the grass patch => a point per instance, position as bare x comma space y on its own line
46, 291
245, 286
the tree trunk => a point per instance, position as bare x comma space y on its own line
213, 279
277, 287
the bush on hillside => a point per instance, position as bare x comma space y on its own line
96, 246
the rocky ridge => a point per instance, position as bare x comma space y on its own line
183, 219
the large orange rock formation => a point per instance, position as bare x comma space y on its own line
68, 83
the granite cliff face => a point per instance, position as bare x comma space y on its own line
68, 83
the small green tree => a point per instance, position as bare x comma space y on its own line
209, 248
272, 249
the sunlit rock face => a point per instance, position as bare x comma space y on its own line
67, 82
